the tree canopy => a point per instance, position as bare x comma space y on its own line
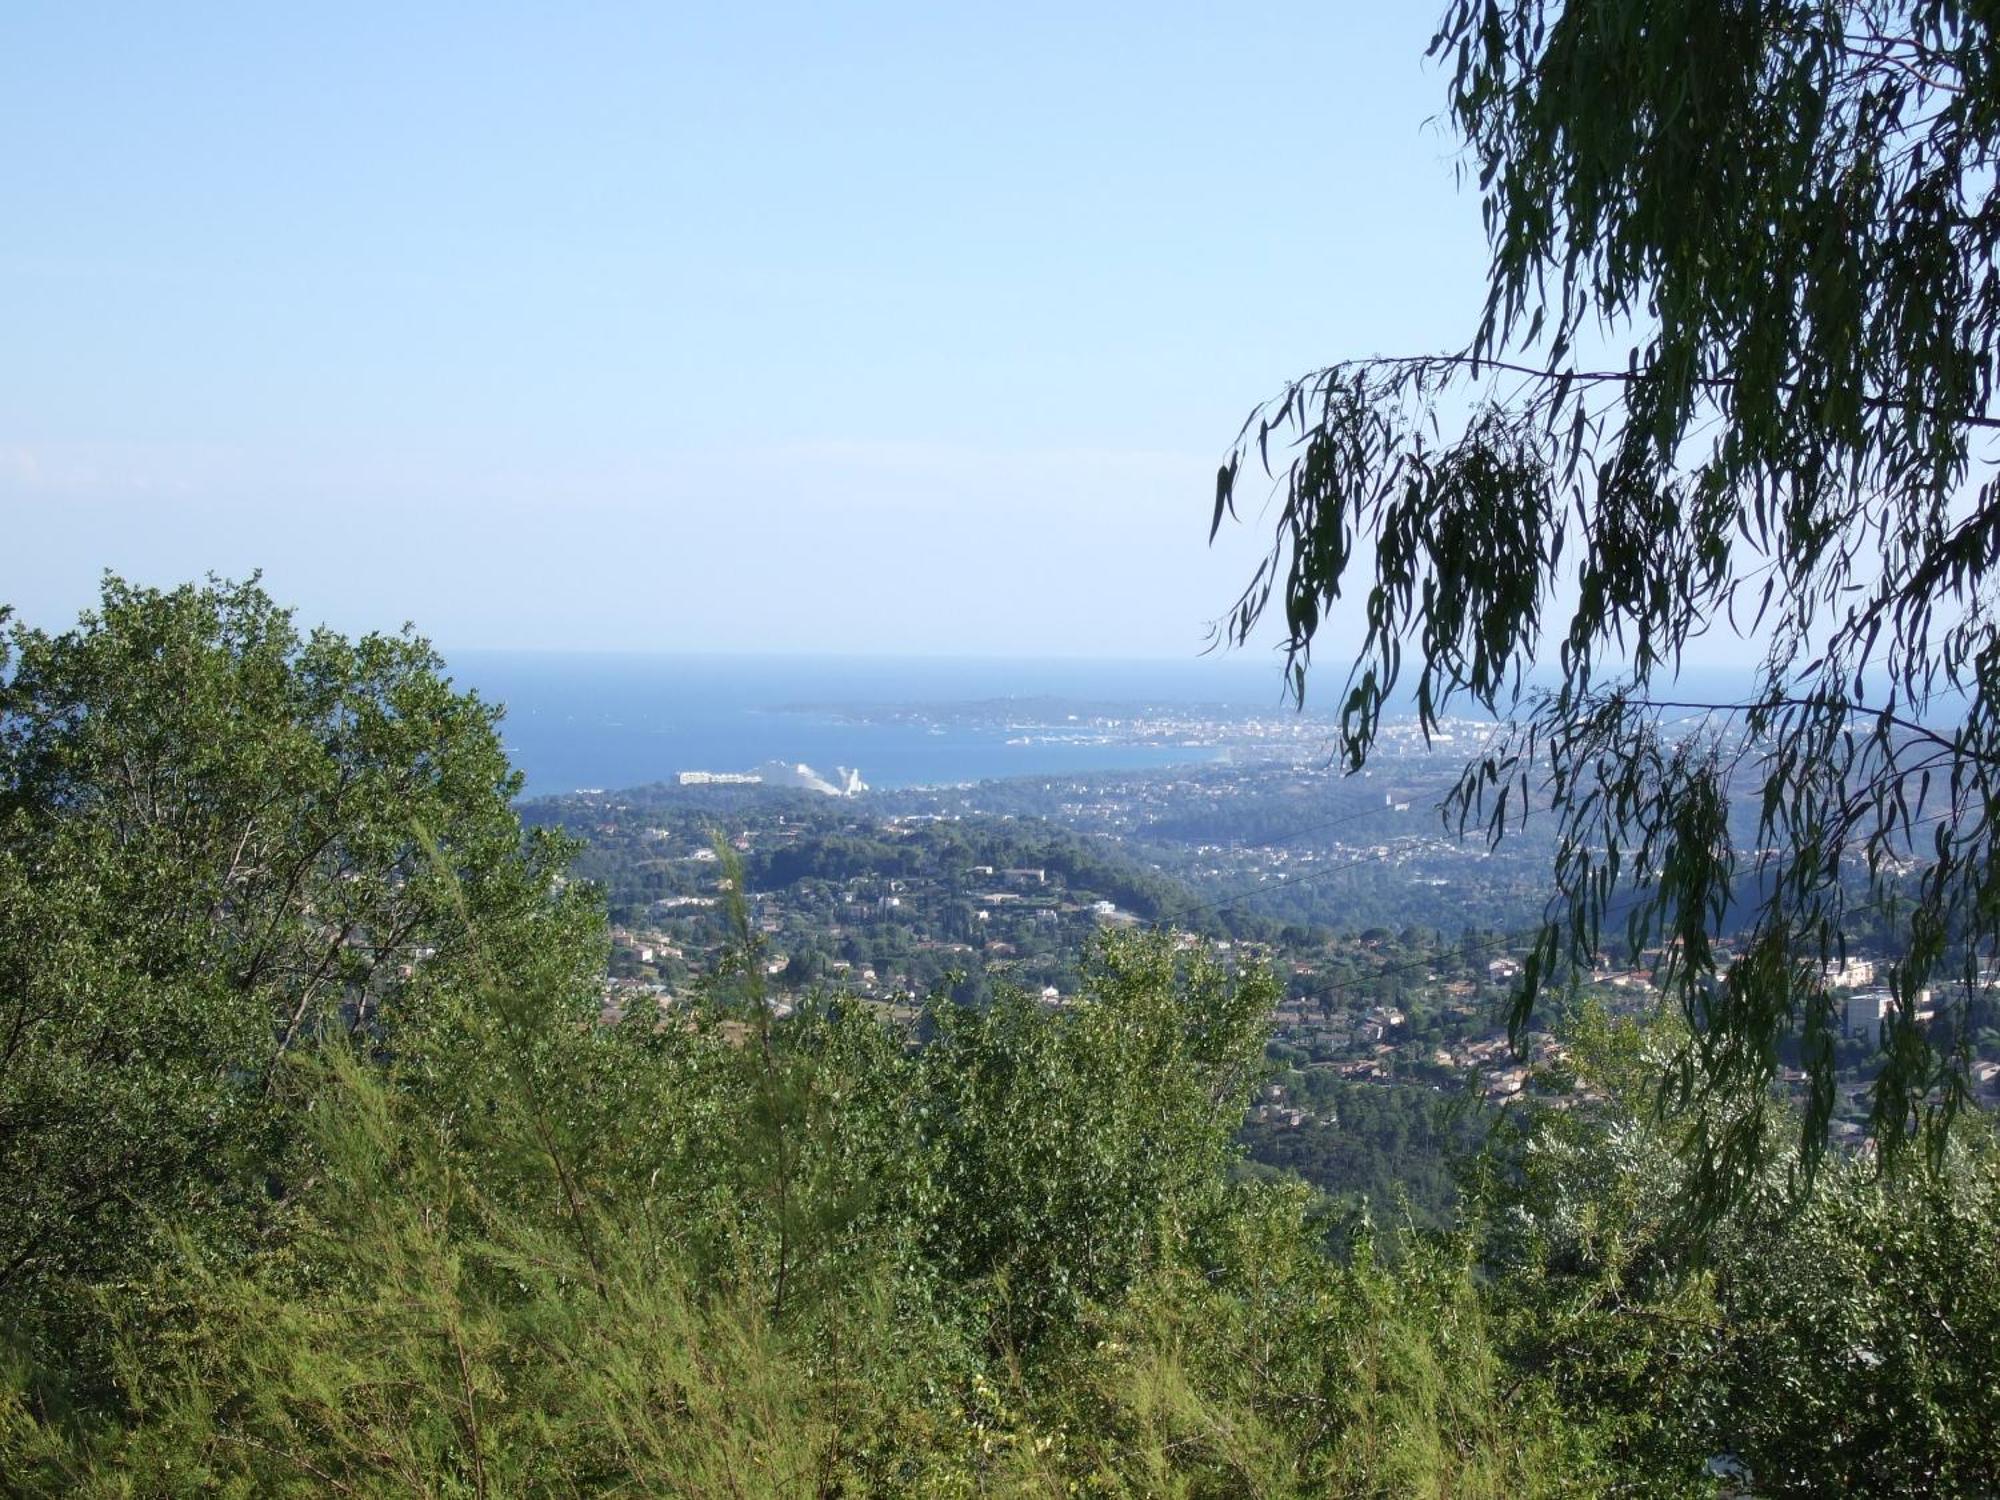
1733, 379
221, 838
321, 1171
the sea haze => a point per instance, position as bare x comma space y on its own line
617, 720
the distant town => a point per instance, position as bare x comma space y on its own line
1400, 944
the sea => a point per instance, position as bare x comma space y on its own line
604, 721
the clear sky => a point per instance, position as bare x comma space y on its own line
668, 327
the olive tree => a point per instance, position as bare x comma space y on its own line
1732, 377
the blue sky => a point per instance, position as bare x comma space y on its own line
829, 327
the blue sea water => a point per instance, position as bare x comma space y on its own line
613, 720
608, 720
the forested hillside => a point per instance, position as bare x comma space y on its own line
323, 1174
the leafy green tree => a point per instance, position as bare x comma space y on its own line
517, 1299
1865, 1353
1733, 374
220, 840
1841, 1346
1077, 1150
